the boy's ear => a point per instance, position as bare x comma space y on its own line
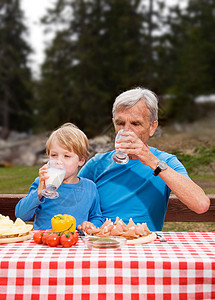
81, 162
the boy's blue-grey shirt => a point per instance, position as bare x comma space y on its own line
81, 200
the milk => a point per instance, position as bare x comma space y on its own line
56, 177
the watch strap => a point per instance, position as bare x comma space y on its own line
157, 171
162, 165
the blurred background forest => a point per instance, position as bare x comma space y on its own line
99, 49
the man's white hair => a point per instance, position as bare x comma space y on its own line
129, 98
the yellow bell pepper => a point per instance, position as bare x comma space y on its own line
64, 223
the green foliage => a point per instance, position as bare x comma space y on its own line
202, 157
191, 55
104, 48
99, 49
15, 75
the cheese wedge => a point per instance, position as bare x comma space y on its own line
9, 229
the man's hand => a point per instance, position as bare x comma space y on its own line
131, 144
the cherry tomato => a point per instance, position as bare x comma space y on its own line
53, 240
45, 236
66, 240
37, 237
75, 238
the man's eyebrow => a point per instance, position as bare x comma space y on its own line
136, 122
118, 121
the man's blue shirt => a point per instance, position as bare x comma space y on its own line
131, 190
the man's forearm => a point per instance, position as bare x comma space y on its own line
186, 190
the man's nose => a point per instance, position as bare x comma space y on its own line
127, 127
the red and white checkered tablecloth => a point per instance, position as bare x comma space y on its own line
182, 268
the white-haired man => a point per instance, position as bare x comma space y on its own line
140, 189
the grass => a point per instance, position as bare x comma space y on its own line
189, 226
17, 179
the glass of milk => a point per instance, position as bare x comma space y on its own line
56, 173
120, 157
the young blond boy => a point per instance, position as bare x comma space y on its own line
77, 196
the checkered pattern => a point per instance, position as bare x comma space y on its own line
182, 268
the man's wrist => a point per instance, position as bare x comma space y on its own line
161, 166
154, 163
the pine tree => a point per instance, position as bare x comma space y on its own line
15, 75
92, 59
191, 55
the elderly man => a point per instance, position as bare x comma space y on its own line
140, 189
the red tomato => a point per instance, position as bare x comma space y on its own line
75, 237
67, 240
45, 236
53, 240
37, 237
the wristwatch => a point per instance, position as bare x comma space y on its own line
162, 165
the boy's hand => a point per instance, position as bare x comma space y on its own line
42, 177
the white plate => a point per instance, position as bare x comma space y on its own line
143, 239
17, 239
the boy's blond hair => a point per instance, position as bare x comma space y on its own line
71, 138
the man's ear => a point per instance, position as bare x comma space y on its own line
153, 127
113, 123
81, 162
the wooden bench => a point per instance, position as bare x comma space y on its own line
176, 212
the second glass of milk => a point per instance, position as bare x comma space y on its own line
56, 173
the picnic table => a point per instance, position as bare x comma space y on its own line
181, 268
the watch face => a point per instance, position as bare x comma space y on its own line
162, 165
